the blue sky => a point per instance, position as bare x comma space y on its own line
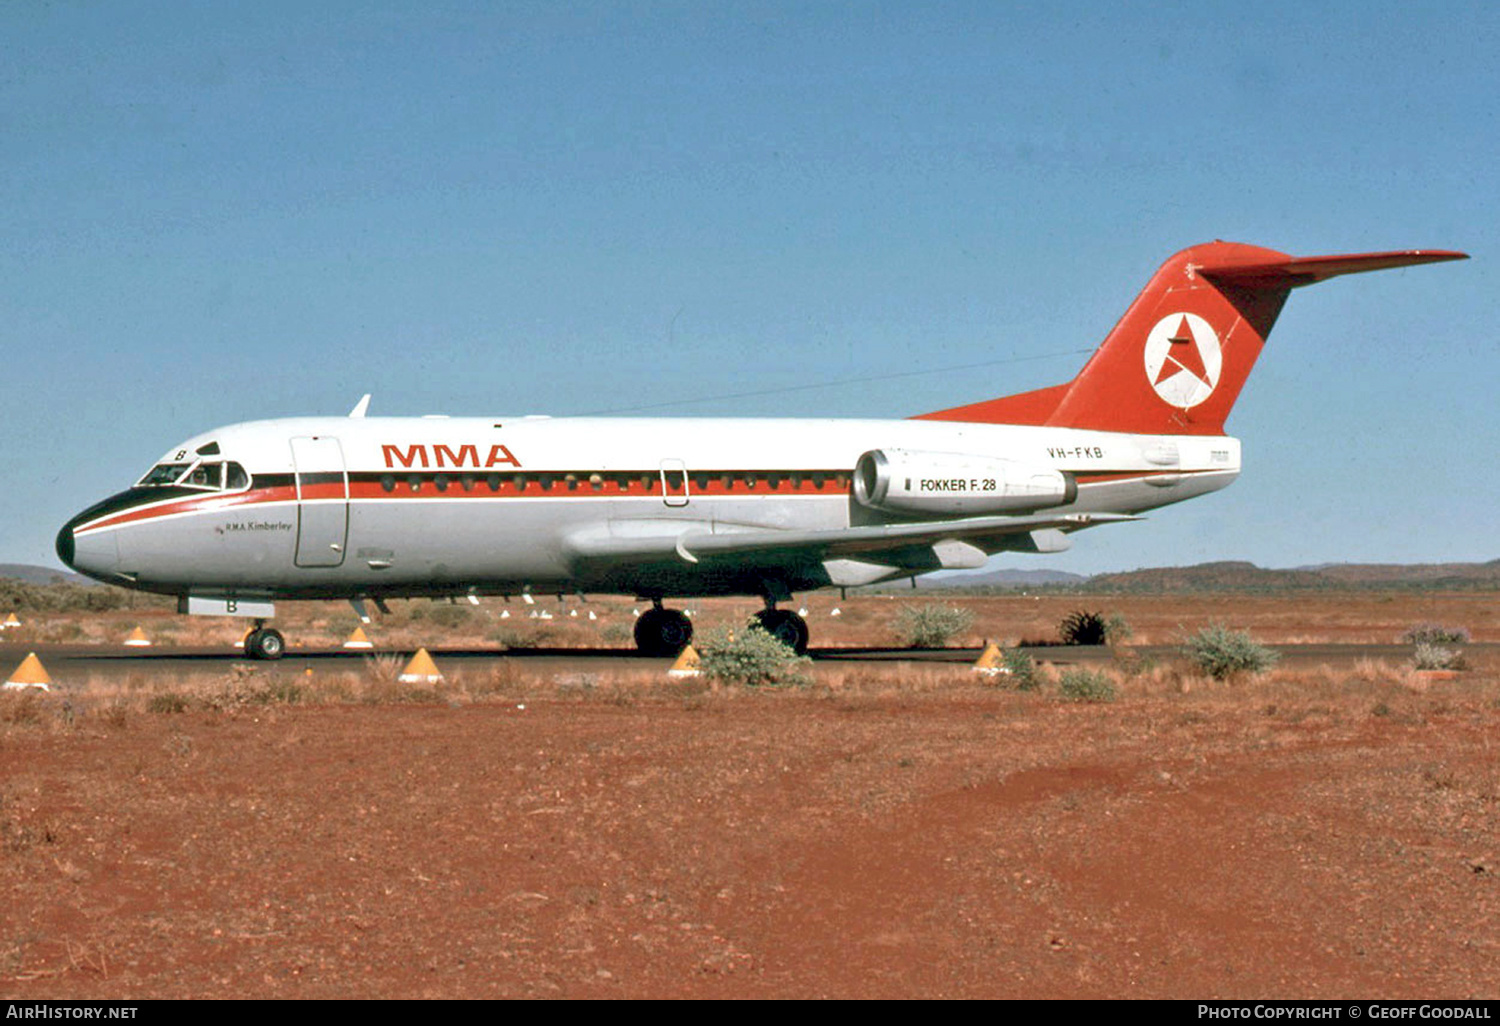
221, 212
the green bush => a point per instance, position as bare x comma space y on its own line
931, 626
1021, 670
1435, 634
1435, 657
1116, 630
750, 657
1222, 653
1080, 685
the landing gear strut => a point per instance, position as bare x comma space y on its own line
264, 642
662, 632
785, 626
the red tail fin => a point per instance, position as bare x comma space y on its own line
1175, 363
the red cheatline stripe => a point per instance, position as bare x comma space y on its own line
255, 497
641, 485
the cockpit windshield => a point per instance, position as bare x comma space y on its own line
163, 474
214, 476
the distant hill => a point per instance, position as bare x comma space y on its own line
1020, 579
41, 574
1239, 576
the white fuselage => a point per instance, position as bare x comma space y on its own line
352, 506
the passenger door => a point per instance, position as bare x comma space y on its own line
322, 501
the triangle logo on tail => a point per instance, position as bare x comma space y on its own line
1183, 359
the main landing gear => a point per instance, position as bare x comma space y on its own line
665, 632
264, 642
662, 632
785, 626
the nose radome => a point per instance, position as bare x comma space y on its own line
95, 553
66, 546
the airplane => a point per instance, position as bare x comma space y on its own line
370, 508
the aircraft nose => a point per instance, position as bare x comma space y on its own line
66, 545
94, 553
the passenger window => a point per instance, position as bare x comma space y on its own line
388, 482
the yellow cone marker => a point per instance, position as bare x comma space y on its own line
137, 639
244, 637
11, 621
30, 674
990, 663
358, 639
421, 670
686, 664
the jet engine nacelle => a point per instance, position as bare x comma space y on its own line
949, 483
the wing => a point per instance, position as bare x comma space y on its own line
868, 552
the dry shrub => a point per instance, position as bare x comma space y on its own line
932, 625
1078, 684
1375, 671
1222, 653
1435, 657
1434, 634
23, 708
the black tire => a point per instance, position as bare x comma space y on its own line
265, 644
786, 627
663, 632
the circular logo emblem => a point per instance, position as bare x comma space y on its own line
1183, 359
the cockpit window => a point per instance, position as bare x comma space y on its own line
163, 474
205, 475
208, 476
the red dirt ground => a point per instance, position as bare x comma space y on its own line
1318, 838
